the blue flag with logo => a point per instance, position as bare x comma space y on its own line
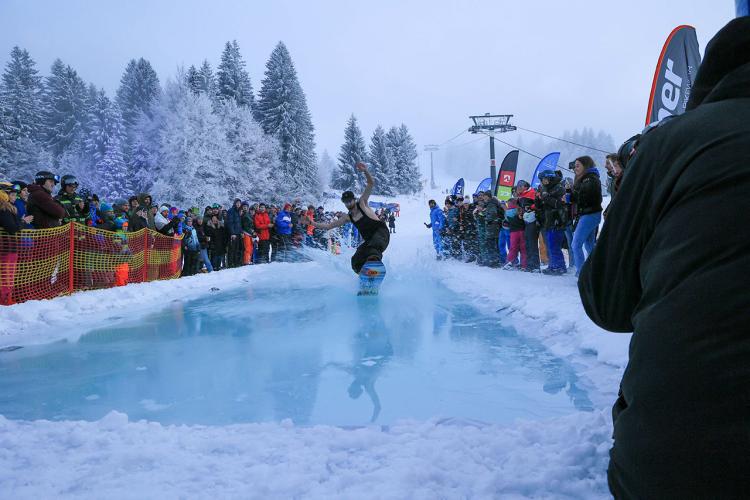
485, 185
549, 162
458, 187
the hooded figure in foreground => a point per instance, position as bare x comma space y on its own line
672, 265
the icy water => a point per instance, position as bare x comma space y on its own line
313, 355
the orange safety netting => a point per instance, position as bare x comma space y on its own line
45, 263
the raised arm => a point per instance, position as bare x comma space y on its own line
370, 182
329, 225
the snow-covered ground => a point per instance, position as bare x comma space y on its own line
563, 457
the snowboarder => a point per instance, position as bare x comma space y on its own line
374, 232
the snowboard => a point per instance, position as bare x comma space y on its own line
371, 276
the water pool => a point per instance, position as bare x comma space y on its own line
315, 355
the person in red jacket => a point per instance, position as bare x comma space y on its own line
46, 210
263, 225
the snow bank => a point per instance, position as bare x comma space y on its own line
113, 458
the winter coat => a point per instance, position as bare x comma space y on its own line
551, 208
190, 241
262, 221
587, 193
248, 226
514, 219
47, 212
200, 231
493, 215
165, 226
70, 203
136, 223
234, 222
149, 218
218, 238
527, 200
392, 221
451, 220
284, 223
21, 211
664, 269
437, 219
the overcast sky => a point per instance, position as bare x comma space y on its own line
555, 65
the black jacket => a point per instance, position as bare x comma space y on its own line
673, 266
551, 209
587, 194
219, 236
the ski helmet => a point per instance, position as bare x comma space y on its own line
547, 174
44, 175
68, 180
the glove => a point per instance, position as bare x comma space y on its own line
529, 217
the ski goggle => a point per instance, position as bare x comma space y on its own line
71, 181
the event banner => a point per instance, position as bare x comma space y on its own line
674, 75
506, 178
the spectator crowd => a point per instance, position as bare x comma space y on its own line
213, 238
531, 228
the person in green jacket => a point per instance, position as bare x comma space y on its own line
74, 204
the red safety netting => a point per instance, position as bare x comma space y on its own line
45, 263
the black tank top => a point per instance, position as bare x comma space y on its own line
365, 225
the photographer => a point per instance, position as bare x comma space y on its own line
675, 273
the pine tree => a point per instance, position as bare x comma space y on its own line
139, 90
404, 154
139, 87
107, 173
207, 80
233, 79
381, 163
282, 112
193, 79
21, 117
194, 154
65, 111
255, 157
353, 150
325, 168
21, 94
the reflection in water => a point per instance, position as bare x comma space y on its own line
371, 350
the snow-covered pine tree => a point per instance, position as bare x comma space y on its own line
325, 168
21, 94
404, 154
139, 86
192, 78
282, 111
381, 163
255, 156
353, 150
233, 81
207, 80
139, 89
21, 117
109, 175
194, 153
65, 110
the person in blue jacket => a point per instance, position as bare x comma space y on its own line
437, 223
284, 231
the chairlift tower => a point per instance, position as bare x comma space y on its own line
432, 148
490, 125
